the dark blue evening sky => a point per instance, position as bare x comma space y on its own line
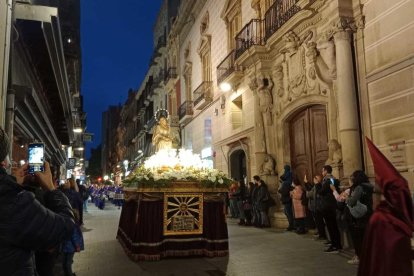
116, 40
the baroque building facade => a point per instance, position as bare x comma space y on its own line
253, 85
269, 83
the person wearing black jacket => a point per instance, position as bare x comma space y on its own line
328, 208
256, 221
284, 191
361, 191
239, 196
25, 224
315, 206
263, 197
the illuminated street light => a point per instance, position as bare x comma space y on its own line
225, 86
77, 130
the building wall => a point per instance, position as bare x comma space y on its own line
310, 47
387, 83
5, 27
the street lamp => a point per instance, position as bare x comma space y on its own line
77, 130
225, 86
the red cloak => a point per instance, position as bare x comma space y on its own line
387, 242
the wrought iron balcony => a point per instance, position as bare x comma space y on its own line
227, 66
170, 73
251, 34
186, 110
150, 124
162, 42
278, 14
159, 80
203, 94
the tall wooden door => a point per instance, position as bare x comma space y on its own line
308, 141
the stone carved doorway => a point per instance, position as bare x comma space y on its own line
238, 168
308, 141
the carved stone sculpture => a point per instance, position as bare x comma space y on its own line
335, 153
264, 92
257, 8
268, 166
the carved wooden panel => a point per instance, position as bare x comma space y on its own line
319, 140
300, 144
308, 141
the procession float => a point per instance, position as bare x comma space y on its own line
174, 204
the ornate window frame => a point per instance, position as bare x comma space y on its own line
232, 16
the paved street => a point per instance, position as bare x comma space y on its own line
252, 252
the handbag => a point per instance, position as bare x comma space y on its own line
359, 210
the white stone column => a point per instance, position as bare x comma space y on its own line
259, 139
347, 104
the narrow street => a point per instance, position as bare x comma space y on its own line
252, 252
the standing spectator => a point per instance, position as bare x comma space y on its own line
387, 243
234, 211
360, 191
25, 224
256, 212
284, 191
298, 207
84, 194
247, 204
315, 206
328, 207
75, 243
239, 196
263, 199
310, 203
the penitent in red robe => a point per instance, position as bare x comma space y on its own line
386, 250
387, 245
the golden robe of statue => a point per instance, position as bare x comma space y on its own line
161, 138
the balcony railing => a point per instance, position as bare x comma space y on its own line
158, 80
250, 35
186, 109
162, 42
278, 14
170, 73
203, 91
227, 66
150, 124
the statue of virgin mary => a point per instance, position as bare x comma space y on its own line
161, 137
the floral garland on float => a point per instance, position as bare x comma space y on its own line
168, 166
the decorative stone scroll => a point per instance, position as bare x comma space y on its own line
304, 71
268, 166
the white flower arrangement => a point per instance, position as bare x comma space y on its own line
171, 165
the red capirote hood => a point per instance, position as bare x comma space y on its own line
394, 187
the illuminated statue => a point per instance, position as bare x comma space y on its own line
161, 137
